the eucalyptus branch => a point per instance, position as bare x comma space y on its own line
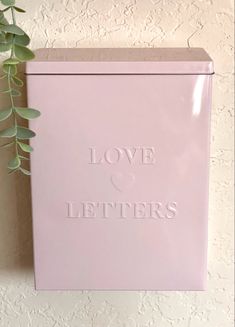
15, 40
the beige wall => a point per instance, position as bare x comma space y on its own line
114, 23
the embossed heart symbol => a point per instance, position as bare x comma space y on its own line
122, 181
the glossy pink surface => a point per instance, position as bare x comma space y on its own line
120, 180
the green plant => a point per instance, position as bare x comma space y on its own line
15, 40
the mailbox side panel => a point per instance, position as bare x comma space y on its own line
120, 181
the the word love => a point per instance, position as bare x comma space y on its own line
131, 155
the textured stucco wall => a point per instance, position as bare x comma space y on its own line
114, 23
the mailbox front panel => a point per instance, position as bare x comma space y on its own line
120, 181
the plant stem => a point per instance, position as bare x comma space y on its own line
13, 16
9, 84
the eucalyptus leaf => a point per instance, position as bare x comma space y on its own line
5, 91
12, 28
19, 9
7, 145
23, 158
5, 114
10, 69
17, 81
5, 47
11, 61
23, 53
28, 113
25, 172
24, 133
25, 147
10, 37
6, 9
14, 163
2, 38
22, 39
3, 20
8, 2
13, 171
15, 93
8, 132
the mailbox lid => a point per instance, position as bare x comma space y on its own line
166, 61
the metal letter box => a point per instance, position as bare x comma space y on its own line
120, 168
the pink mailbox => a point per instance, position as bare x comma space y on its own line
120, 168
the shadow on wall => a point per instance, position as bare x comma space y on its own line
15, 208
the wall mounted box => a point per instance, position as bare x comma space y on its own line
120, 168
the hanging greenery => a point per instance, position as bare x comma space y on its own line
15, 41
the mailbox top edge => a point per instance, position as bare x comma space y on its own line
120, 61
